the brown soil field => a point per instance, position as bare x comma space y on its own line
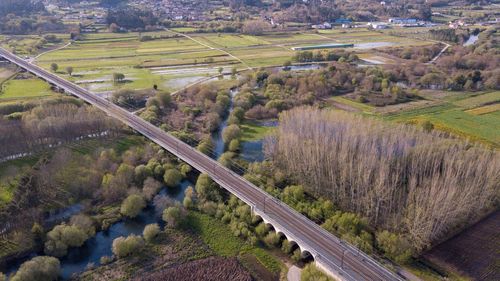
209, 269
474, 252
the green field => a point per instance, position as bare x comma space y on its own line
98, 56
455, 115
220, 239
252, 131
24, 89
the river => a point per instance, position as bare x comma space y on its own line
78, 259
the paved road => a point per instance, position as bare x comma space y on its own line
327, 249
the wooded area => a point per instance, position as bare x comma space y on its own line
50, 124
401, 178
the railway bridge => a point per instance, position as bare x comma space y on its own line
334, 256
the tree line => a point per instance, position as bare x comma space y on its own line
51, 124
421, 184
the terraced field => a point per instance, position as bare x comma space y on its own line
98, 56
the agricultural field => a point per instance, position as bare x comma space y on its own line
17, 89
172, 61
471, 251
470, 115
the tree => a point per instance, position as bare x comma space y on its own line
85, 223
231, 132
234, 145
69, 70
425, 12
164, 98
206, 189
54, 67
394, 246
151, 232
172, 216
123, 247
41, 268
124, 98
312, 273
272, 239
150, 188
63, 236
189, 198
118, 77
172, 177
132, 205
255, 27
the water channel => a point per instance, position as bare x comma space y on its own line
79, 259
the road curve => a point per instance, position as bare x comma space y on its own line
335, 255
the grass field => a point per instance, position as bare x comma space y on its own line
252, 131
24, 89
220, 239
99, 55
462, 115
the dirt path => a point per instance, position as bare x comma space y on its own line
433, 60
294, 273
50, 51
211, 48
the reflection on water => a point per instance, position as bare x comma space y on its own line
252, 151
472, 40
179, 83
217, 140
98, 246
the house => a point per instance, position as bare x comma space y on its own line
325, 25
378, 25
402, 21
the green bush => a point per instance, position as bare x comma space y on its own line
272, 239
394, 246
312, 273
230, 133
151, 232
61, 237
286, 247
172, 216
105, 260
132, 206
40, 268
123, 247
172, 177
234, 145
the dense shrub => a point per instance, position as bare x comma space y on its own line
151, 232
61, 237
40, 268
132, 205
394, 246
123, 247
172, 177
312, 273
